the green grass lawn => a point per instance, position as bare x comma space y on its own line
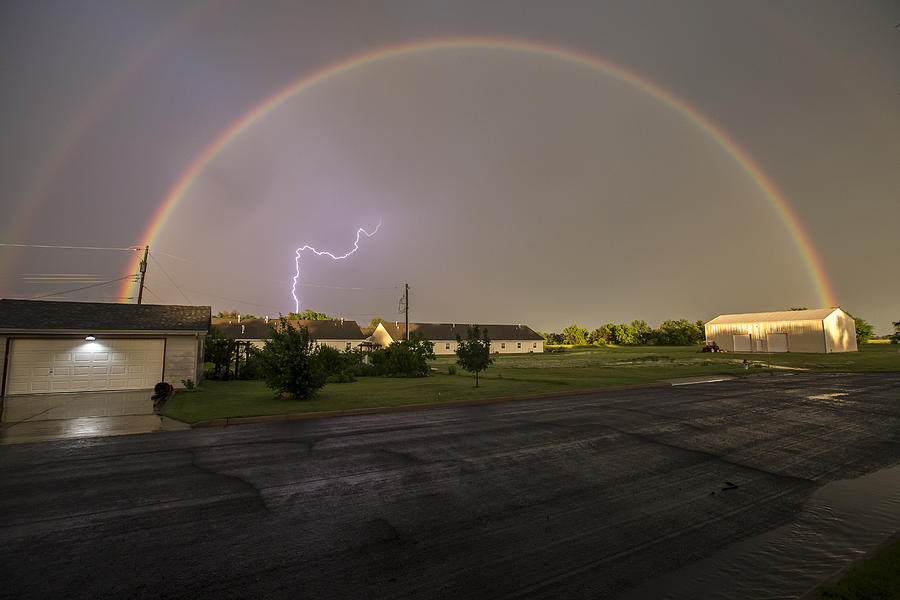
580, 368
878, 577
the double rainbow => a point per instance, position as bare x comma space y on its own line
776, 200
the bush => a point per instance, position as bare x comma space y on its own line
451, 370
340, 367
404, 358
188, 384
290, 362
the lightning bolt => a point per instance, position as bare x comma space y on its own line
359, 232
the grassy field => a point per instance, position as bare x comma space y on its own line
580, 368
878, 577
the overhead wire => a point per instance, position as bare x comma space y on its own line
131, 249
81, 288
166, 273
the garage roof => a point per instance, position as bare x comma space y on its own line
93, 317
817, 314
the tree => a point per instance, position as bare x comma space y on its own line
643, 333
798, 308
575, 335
219, 350
625, 335
474, 353
374, 322
553, 339
895, 338
405, 358
310, 315
679, 333
290, 362
863, 330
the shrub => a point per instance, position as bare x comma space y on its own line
188, 384
290, 362
404, 358
340, 367
451, 370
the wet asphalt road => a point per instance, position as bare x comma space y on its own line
578, 497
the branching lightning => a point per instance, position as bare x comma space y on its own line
359, 232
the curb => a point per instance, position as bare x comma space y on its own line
327, 414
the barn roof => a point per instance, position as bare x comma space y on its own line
818, 314
93, 317
449, 331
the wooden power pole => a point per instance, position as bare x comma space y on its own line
406, 304
143, 273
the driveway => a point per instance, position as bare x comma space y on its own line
585, 496
45, 417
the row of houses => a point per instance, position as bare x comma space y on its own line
343, 334
59, 347
55, 347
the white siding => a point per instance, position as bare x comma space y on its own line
840, 332
181, 359
836, 333
339, 345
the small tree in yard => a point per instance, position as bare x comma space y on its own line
474, 353
219, 350
290, 362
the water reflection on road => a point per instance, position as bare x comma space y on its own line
842, 521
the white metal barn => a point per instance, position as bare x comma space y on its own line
821, 330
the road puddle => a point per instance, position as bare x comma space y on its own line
842, 521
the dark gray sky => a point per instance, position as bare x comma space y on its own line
512, 187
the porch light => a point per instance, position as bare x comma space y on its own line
89, 338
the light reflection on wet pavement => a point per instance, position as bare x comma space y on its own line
47, 417
841, 522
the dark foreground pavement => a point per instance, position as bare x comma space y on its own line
566, 497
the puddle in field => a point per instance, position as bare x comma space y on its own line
841, 521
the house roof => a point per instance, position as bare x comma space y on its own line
247, 329
93, 317
258, 329
817, 314
449, 331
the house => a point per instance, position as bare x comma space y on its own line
505, 339
339, 334
54, 347
820, 330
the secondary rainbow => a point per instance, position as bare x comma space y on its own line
801, 240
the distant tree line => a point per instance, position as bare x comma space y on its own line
671, 332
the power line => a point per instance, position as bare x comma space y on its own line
166, 273
173, 256
234, 299
132, 249
81, 288
155, 295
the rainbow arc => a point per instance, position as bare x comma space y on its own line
773, 196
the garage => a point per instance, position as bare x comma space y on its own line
822, 330
49, 347
39, 366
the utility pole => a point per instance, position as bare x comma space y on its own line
143, 273
406, 304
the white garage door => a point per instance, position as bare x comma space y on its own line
54, 366
742, 343
777, 342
